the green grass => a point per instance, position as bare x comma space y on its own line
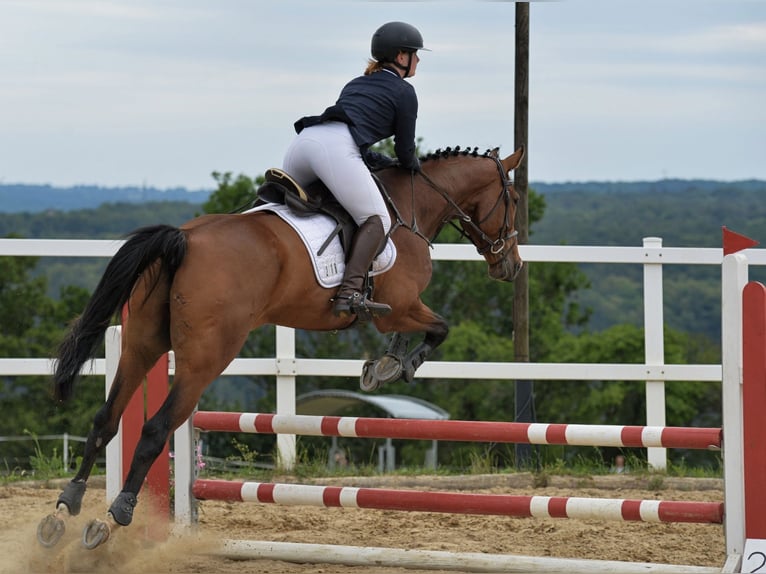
42, 465
46, 466
479, 465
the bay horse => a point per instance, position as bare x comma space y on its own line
201, 288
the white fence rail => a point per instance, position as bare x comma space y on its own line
286, 366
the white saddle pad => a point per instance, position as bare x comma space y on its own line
314, 231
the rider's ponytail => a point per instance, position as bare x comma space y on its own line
372, 67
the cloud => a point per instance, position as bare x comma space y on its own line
171, 90
730, 39
86, 8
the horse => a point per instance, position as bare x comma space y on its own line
199, 289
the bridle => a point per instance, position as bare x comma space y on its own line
495, 246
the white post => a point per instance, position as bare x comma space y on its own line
286, 369
654, 343
734, 277
113, 339
65, 452
185, 473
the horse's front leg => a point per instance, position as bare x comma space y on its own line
420, 353
388, 368
399, 362
435, 336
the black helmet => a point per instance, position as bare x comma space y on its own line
393, 37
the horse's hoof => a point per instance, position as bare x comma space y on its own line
95, 534
368, 382
50, 530
388, 369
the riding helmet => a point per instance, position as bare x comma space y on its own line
393, 37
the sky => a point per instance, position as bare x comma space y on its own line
161, 93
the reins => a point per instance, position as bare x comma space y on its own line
495, 246
413, 227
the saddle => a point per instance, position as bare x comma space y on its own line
280, 188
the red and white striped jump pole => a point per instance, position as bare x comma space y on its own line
447, 430
461, 503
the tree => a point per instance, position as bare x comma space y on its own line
22, 299
32, 324
624, 402
232, 195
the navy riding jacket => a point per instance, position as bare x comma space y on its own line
375, 107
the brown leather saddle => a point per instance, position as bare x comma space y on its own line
280, 188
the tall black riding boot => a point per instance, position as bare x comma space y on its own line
351, 298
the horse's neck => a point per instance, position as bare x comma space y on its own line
429, 207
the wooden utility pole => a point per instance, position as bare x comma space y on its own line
524, 396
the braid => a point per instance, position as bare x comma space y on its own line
454, 152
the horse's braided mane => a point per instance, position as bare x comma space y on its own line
454, 152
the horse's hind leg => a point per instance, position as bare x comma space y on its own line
129, 376
188, 384
145, 339
155, 433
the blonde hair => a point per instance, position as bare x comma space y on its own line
372, 67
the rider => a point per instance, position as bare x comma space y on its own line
335, 148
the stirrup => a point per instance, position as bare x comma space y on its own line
357, 304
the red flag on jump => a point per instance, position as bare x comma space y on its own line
733, 242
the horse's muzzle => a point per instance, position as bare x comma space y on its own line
506, 269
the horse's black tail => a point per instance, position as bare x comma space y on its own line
143, 247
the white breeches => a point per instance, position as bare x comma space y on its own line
328, 152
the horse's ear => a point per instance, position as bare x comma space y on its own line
512, 161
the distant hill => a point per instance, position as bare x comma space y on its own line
18, 198
682, 214
659, 186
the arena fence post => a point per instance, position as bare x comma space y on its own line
654, 344
734, 274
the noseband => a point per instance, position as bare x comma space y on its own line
495, 246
